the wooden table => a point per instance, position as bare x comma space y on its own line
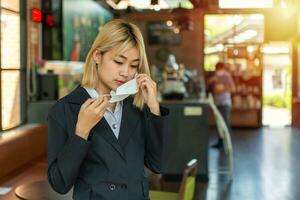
40, 190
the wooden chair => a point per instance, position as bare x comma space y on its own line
187, 186
156, 181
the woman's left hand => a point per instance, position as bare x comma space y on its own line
149, 91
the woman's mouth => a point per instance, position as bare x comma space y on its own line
119, 82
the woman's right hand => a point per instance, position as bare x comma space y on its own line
91, 112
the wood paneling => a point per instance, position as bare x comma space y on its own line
189, 52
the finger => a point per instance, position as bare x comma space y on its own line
145, 90
107, 97
87, 103
143, 84
140, 76
97, 102
102, 107
149, 81
141, 79
148, 89
136, 74
146, 86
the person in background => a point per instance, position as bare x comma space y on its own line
100, 148
222, 86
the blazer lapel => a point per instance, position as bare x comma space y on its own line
104, 130
77, 98
129, 122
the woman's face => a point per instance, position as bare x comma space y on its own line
115, 70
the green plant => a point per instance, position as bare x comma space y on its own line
279, 101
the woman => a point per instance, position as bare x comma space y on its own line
222, 86
101, 148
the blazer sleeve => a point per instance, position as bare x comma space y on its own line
65, 152
157, 129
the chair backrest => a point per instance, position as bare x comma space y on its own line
188, 183
221, 125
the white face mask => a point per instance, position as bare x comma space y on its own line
123, 91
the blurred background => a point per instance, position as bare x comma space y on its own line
42, 52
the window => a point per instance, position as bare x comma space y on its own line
10, 65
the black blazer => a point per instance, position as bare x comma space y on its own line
104, 167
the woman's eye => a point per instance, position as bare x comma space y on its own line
134, 66
119, 63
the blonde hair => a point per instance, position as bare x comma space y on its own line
123, 35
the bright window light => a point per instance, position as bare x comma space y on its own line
245, 3
139, 4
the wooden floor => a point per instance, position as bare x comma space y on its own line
37, 170
266, 167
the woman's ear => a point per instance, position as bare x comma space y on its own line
97, 56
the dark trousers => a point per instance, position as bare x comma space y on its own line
225, 112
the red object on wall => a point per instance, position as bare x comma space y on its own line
36, 15
50, 20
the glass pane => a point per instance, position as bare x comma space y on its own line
10, 40
10, 92
10, 4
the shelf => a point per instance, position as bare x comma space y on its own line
245, 110
250, 118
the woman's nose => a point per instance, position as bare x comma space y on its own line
125, 71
